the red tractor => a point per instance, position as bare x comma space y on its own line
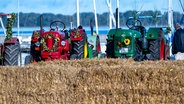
10, 53
61, 44
49, 45
78, 38
83, 45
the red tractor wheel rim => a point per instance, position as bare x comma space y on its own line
162, 50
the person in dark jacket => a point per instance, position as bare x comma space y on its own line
178, 40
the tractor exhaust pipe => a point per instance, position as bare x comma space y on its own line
117, 15
91, 26
41, 25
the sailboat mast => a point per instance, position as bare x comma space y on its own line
181, 21
18, 26
78, 17
96, 21
170, 14
170, 22
112, 18
181, 5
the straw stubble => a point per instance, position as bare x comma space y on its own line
93, 81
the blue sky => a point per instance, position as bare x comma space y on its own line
68, 7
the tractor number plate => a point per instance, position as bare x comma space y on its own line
123, 50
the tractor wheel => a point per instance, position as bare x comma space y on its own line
73, 56
36, 55
167, 52
138, 56
98, 48
157, 48
110, 49
28, 59
78, 48
12, 55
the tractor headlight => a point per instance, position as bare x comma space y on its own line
37, 44
63, 43
120, 45
127, 41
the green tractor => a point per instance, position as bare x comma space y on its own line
137, 42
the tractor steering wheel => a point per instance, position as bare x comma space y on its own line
55, 25
133, 24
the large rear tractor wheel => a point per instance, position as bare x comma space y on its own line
12, 55
79, 48
157, 49
110, 49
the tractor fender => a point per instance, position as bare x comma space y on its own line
92, 40
12, 40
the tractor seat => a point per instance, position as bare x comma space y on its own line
141, 29
66, 34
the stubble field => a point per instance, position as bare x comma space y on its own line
93, 81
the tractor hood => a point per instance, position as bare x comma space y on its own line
54, 34
127, 32
123, 33
123, 41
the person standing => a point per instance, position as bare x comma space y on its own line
178, 40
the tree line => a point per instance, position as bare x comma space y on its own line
148, 18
